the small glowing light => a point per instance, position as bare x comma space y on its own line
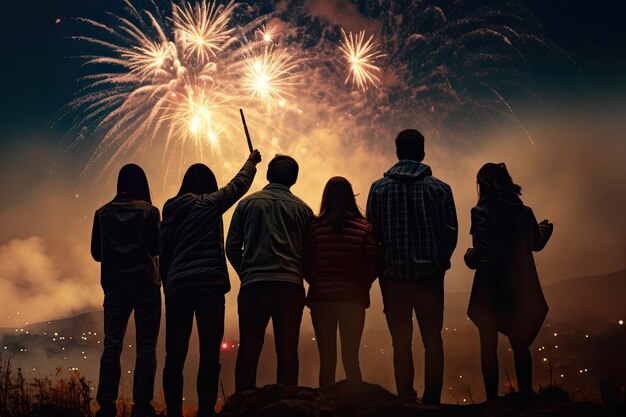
621, 322
555, 334
224, 345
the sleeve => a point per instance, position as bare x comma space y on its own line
372, 209
308, 256
152, 240
165, 257
451, 227
541, 233
370, 254
96, 239
234, 241
482, 239
236, 188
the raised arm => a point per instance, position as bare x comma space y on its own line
238, 186
482, 239
96, 245
234, 241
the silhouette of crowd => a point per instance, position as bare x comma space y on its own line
275, 242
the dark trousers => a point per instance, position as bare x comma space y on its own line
424, 295
118, 305
350, 318
283, 302
489, 362
180, 308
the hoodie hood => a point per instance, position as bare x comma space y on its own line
177, 209
409, 171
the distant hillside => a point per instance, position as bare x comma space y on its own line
591, 301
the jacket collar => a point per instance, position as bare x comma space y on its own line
408, 170
276, 186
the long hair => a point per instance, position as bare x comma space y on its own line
199, 179
133, 183
495, 178
339, 203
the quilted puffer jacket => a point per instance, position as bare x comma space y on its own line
340, 265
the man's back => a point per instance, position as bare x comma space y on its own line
269, 225
414, 215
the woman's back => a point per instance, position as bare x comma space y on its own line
340, 262
125, 240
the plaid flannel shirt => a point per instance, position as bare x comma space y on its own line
414, 215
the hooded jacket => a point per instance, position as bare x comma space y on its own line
340, 265
192, 236
125, 240
415, 218
506, 293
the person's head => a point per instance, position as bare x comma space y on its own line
133, 183
199, 179
495, 178
410, 145
283, 169
339, 202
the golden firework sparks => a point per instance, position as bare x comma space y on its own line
361, 56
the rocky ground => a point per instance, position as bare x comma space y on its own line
346, 399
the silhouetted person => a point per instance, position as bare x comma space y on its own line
340, 266
195, 278
264, 245
414, 216
125, 240
506, 295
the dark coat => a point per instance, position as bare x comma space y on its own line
506, 291
192, 236
125, 240
340, 266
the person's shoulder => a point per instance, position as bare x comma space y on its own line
297, 200
438, 183
378, 183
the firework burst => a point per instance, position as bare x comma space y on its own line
180, 76
361, 56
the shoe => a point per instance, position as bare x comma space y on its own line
107, 410
144, 410
410, 399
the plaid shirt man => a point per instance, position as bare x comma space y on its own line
415, 217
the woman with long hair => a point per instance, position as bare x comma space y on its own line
125, 240
340, 266
195, 278
506, 295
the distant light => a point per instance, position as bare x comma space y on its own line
621, 322
555, 333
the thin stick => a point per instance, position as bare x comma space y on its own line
245, 129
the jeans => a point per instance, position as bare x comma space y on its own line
283, 302
180, 308
424, 295
118, 305
489, 362
350, 317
